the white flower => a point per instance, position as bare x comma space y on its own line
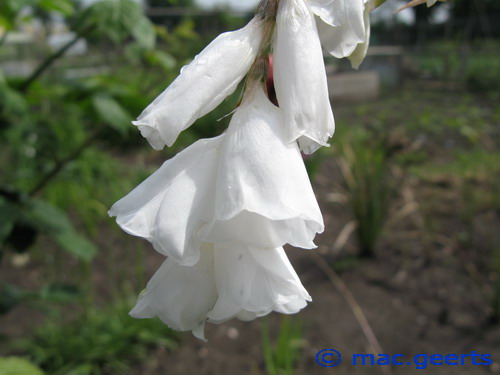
300, 77
229, 281
344, 26
221, 210
202, 85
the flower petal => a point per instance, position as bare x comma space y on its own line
327, 10
263, 196
361, 49
202, 85
180, 296
170, 206
252, 282
341, 36
300, 77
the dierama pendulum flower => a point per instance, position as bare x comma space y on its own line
223, 208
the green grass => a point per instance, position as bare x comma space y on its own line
365, 168
102, 342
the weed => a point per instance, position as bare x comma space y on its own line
281, 358
365, 170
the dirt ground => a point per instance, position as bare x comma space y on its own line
418, 300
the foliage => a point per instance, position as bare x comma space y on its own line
116, 20
10, 10
54, 128
282, 356
18, 366
23, 219
100, 342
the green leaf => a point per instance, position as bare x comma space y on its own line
5, 21
111, 112
18, 366
76, 244
56, 223
161, 58
10, 10
143, 32
64, 7
48, 217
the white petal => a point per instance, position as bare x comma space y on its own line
180, 296
300, 77
327, 10
235, 271
263, 196
340, 37
202, 85
253, 282
169, 207
277, 273
359, 53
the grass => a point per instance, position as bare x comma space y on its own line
102, 342
365, 168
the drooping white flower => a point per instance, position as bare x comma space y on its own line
221, 210
229, 281
300, 77
202, 85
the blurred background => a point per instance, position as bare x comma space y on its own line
409, 191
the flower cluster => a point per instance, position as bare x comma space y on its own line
222, 209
